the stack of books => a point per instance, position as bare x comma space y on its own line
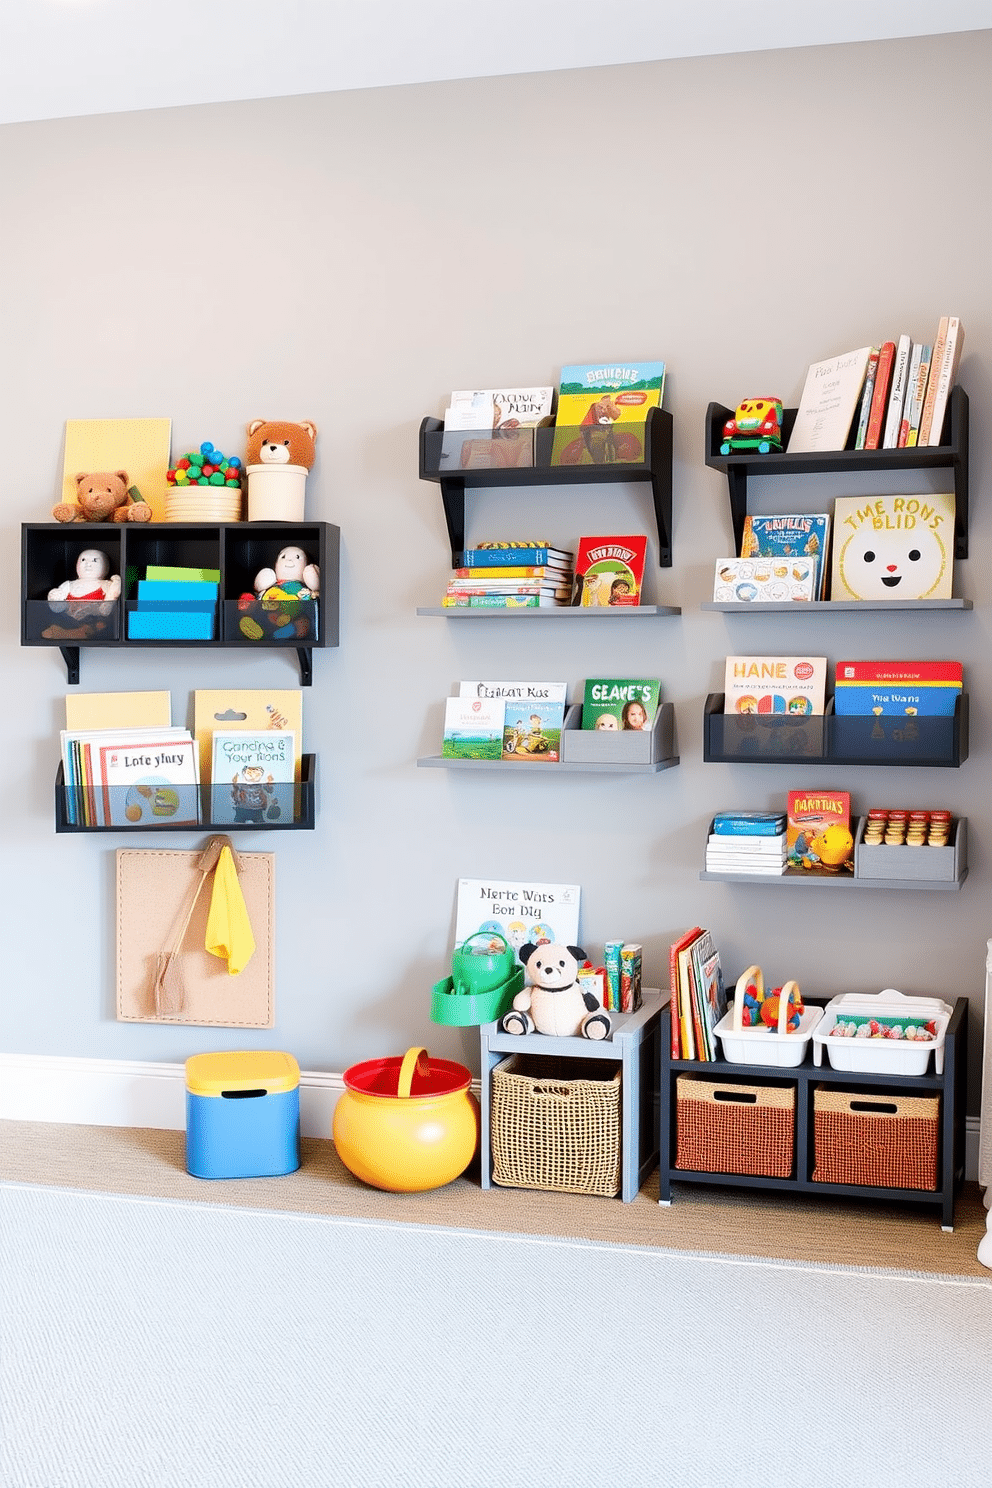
175, 604
747, 842
698, 997
523, 574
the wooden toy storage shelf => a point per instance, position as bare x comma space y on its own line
656, 469
49, 551
950, 1086
300, 813
951, 455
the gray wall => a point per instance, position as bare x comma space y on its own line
353, 257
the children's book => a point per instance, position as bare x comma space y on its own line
791, 535
515, 692
150, 784
80, 750
473, 728
609, 570
766, 580
602, 412
829, 402
749, 823
620, 703
927, 688
893, 547
277, 710
679, 1044
708, 979
775, 684
522, 913
867, 393
810, 814
252, 777
532, 729
512, 554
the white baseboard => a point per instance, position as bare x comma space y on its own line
124, 1092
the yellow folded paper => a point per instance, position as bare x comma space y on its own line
229, 934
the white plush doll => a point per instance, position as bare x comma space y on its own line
555, 1003
293, 575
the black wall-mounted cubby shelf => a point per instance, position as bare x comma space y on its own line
49, 552
297, 808
825, 738
455, 481
951, 454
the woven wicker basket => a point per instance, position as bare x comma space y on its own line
723, 1127
556, 1124
875, 1140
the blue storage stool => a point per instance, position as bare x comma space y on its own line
242, 1115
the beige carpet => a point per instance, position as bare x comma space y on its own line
701, 1218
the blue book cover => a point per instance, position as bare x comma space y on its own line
176, 593
862, 699
749, 823
536, 555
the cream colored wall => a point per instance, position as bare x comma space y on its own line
353, 257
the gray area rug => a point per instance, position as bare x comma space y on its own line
176, 1345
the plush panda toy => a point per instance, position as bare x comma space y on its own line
555, 1003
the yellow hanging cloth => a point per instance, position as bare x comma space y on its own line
228, 927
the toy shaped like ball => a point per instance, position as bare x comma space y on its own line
771, 1006
206, 466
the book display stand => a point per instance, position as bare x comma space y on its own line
926, 741
805, 1081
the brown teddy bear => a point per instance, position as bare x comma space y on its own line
103, 496
281, 444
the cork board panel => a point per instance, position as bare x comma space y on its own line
154, 889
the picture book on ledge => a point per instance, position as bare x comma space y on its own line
830, 399
775, 684
893, 547
620, 703
602, 411
609, 570
252, 777
786, 536
818, 836
522, 913
493, 428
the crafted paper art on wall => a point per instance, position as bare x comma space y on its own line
893, 547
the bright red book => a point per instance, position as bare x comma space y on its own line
609, 570
899, 671
673, 978
880, 397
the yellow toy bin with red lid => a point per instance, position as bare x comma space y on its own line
242, 1114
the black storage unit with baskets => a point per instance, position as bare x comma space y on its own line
864, 1135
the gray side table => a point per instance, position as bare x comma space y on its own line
634, 1044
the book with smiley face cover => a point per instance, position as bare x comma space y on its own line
893, 547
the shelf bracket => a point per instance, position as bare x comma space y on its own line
306, 665
453, 498
70, 655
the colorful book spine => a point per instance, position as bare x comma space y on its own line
533, 557
879, 398
917, 393
912, 375
897, 392
939, 348
866, 397
946, 377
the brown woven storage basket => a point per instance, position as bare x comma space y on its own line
878, 1140
556, 1124
723, 1127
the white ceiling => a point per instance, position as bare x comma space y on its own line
61, 58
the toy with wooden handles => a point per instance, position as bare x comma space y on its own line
780, 1010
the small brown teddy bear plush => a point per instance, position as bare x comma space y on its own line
281, 444
103, 497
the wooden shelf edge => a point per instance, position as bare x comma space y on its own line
438, 762
574, 612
